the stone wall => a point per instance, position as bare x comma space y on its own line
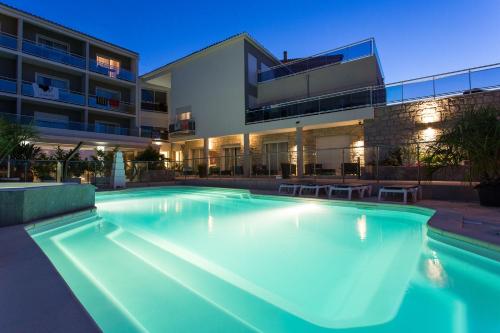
421, 120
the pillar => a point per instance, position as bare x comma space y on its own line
300, 152
247, 162
206, 151
19, 66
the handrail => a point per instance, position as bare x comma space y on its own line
60, 89
318, 54
8, 34
119, 100
53, 49
344, 54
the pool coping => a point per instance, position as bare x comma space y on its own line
35, 297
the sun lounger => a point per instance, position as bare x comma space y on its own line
404, 189
289, 187
361, 189
313, 187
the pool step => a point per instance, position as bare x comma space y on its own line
229, 298
168, 307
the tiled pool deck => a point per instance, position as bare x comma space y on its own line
34, 297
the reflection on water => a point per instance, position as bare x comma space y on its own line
435, 271
361, 226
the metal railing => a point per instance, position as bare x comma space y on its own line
184, 126
7, 40
62, 95
407, 162
69, 125
463, 82
111, 105
111, 71
339, 55
50, 53
8, 85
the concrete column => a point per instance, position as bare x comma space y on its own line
300, 152
19, 70
137, 91
206, 151
86, 78
247, 162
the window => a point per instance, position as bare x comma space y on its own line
52, 81
52, 43
148, 96
252, 69
109, 94
153, 100
112, 65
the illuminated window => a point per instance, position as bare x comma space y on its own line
112, 65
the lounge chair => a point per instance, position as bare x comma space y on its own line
349, 188
404, 189
286, 187
313, 187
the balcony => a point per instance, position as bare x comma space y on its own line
157, 107
111, 129
32, 89
154, 133
68, 125
464, 82
56, 55
114, 72
182, 127
7, 40
317, 105
343, 54
8, 85
104, 103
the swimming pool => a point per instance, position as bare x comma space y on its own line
182, 259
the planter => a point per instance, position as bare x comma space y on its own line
285, 170
489, 194
202, 170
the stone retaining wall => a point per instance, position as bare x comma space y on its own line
421, 120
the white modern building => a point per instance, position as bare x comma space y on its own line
239, 109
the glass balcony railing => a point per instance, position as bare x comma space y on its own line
114, 72
53, 54
51, 93
111, 129
68, 125
110, 104
7, 40
154, 133
344, 54
469, 81
327, 103
8, 85
184, 126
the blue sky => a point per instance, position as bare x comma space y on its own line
414, 38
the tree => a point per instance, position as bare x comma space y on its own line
12, 135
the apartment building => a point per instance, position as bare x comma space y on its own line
74, 87
235, 98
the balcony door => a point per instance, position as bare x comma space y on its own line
231, 159
275, 153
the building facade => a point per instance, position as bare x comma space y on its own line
74, 87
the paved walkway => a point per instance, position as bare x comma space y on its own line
33, 296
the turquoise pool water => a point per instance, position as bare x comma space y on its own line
182, 259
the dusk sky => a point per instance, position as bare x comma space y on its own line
414, 38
